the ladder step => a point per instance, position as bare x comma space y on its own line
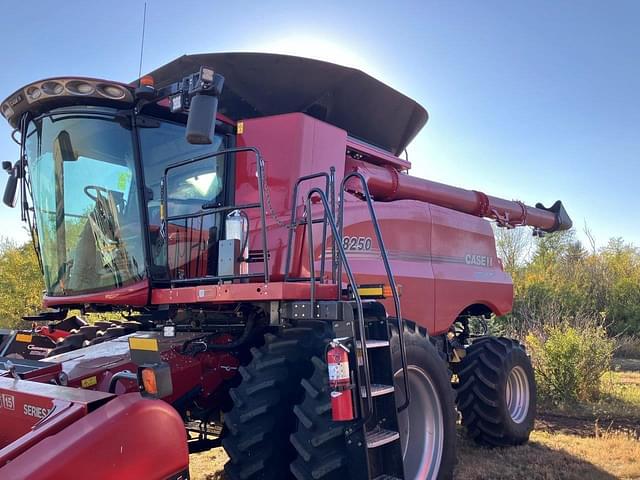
378, 389
380, 436
384, 476
375, 343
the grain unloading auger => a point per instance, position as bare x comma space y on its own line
388, 184
274, 280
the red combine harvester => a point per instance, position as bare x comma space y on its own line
278, 284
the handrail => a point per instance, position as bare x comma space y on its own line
165, 217
352, 282
387, 267
292, 223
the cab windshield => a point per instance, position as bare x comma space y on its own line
83, 182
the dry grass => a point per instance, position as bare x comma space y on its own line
554, 456
598, 441
612, 455
208, 465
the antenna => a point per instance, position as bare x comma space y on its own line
144, 22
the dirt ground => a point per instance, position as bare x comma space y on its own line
601, 442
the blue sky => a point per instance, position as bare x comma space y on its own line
528, 100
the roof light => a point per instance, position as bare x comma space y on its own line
80, 87
111, 91
147, 81
52, 88
51, 93
175, 103
33, 93
206, 74
7, 111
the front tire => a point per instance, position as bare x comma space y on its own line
497, 392
428, 454
259, 424
428, 425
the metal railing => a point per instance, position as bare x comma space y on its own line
340, 261
166, 217
294, 222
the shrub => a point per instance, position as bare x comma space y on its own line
569, 363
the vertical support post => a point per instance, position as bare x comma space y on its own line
263, 216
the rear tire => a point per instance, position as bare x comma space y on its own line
260, 422
320, 442
497, 392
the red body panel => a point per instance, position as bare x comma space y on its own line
444, 260
92, 367
128, 438
135, 295
256, 292
23, 403
434, 251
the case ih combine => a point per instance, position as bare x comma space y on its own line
278, 283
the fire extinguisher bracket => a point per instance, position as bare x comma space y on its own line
340, 382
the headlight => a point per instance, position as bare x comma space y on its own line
80, 87
33, 93
52, 88
111, 91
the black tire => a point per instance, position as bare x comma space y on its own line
320, 441
482, 392
422, 355
260, 422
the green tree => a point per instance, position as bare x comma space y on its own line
21, 283
562, 276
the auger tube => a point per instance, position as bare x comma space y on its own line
387, 184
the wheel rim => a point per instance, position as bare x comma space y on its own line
517, 394
421, 425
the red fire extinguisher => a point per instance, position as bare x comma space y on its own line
340, 382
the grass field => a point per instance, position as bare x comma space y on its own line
599, 441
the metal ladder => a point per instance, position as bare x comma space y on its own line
373, 440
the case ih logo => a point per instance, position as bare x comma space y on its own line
8, 402
478, 260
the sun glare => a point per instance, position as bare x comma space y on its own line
320, 49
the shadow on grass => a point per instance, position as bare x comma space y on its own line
533, 461
585, 425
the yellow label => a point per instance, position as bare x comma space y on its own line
240, 128
24, 337
88, 382
370, 291
148, 344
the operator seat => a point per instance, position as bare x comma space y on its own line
84, 270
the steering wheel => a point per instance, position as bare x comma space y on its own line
97, 189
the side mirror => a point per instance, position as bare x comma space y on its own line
204, 93
9, 198
201, 122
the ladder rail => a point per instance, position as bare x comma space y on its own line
329, 189
352, 281
387, 267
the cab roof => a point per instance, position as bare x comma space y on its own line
263, 84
